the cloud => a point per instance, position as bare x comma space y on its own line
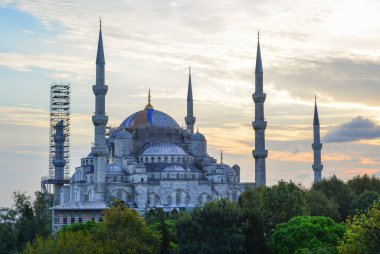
357, 129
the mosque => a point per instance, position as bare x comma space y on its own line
149, 161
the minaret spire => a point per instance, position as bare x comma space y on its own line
259, 124
221, 156
317, 146
100, 52
100, 120
190, 119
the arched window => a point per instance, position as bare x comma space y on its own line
170, 200
166, 159
152, 159
178, 197
159, 159
119, 195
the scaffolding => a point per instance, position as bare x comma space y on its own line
59, 110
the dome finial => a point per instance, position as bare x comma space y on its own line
197, 129
221, 156
149, 106
100, 22
258, 35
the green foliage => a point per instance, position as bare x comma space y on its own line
364, 201
360, 184
123, 231
163, 224
215, 228
42, 215
8, 233
88, 226
306, 234
337, 191
253, 222
22, 223
363, 232
320, 205
281, 202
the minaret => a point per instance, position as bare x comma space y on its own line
100, 120
317, 147
259, 125
59, 160
190, 119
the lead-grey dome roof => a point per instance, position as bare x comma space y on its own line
149, 118
123, 134
114, 169
174, 168
198, 136
164, 149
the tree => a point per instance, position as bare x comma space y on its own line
363, 232
360, 184
253, 223
215, 228
281, 202
320, 205
364, 201
337, 191
25, 224
306, 234
8, 234
127, 232
123, 231
42, 215
163, 224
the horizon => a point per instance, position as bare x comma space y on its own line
151, 45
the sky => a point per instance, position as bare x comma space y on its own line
327, 48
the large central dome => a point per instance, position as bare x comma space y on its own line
149, 118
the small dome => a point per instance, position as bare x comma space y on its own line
173, 168
114, 169
164, 149
225, 169
123, 134
198, 136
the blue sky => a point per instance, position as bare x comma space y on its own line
308, 47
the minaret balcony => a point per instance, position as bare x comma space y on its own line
317, 167
100, 90
260, 154
99, 120
259, 97
99, 151
259, 125
316, 146
190, 120
59, 162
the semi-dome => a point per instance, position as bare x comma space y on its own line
114, 169
164, 149
123, 134
174, 168
149, 117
